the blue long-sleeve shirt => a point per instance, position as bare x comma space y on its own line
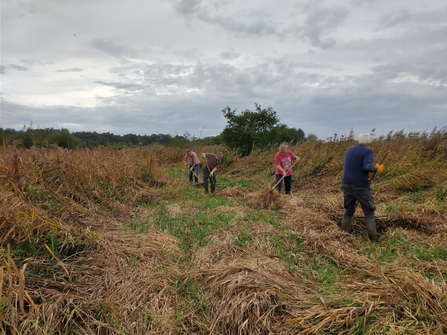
358, 163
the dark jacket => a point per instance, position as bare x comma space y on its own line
358, 164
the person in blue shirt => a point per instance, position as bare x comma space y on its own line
356, 186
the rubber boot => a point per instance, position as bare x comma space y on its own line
346, 223
206, 189
213, 188
372, 229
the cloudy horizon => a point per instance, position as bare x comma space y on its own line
172, 66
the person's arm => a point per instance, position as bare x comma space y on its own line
278, 164
367, 162
280, 168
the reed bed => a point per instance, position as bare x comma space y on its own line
90, 244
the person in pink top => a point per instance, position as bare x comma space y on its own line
284, 160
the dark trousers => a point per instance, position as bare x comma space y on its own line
194, 172
352, 194
287, 183
206, 178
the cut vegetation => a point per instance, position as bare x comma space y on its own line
105, 241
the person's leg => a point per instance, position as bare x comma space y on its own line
371, 228
205, 178
366, 201
213, 181
349, 202
288, 184
190, 175
196, 171
277, 179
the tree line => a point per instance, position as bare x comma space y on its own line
243, 133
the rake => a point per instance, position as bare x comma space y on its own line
381, 162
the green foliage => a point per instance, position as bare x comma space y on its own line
325, 272
63, 139
225, 181
287, 247
192, 230
249, 129
290, 135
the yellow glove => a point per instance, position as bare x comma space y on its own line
203, 155
379, 167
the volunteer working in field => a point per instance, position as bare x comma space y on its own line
193, 162
209, 169
283, 162
356, 185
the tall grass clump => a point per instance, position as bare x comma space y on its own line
117, 241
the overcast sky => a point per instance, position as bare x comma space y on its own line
171, 66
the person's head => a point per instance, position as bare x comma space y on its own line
364, 138
189, 152
283, 149
219, 156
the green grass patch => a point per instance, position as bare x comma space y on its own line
213, 201
244, 237
380, 254
424, 253
325, 272
192, 230
287, 248
226, 182
137, 225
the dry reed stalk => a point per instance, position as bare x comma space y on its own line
2, 275
242, 296
59, 261
21, 275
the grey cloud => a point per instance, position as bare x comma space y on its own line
321, 21
18, 67
422, 70
111, 48
259, 27
36, 62
244, 25
314, 36
74, 69
2, 69
392, 19
230, 55
186, 7
122, 86
361, 2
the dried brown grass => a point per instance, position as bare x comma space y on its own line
105, 279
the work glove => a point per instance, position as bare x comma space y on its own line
379, 167
203, 155
211, 175
186, 164
192, 168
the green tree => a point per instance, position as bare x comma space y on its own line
250, 129
63, 139
27, 137
290, 135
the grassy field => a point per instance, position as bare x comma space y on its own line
107, 241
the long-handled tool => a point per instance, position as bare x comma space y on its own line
209, 171
192, 170
381, 162
284, 175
